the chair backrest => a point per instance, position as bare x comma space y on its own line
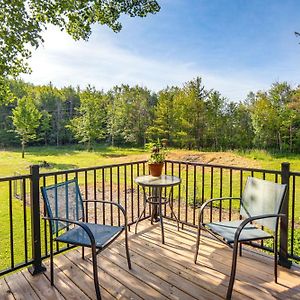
262, 197
63, 200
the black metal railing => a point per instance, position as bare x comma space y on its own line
24, 235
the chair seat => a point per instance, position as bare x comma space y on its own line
227, 231
78, 236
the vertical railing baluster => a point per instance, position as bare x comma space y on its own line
25, 219
186, 191
95, 195
131, 188
86, 193
111, 196
221, 194
293, 215
230, 194
138, 189
262, 227
125, 188
118, 193
45, 221
56, 234
179, 192
241, 183
211, 192
194, 195
103, 195
165, 192
11, 237
203, 186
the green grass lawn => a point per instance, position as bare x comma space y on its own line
62, 158
272, 161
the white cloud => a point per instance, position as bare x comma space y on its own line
104, 63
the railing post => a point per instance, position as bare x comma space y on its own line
37, 266
284, 224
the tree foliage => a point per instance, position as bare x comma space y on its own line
26, 120
190, 116
22, 23
88, 126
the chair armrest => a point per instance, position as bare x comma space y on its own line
81, 224
203, 206
251, 219
217, 199
120, 207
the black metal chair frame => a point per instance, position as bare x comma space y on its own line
237, 243
82, 224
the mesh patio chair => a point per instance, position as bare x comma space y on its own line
260, 204
66, 215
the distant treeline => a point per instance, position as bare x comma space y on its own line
190, 117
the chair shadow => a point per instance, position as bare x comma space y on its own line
251, 281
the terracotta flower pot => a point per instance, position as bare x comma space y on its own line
156, 169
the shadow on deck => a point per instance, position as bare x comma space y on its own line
158, 272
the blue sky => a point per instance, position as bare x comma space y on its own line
236, 46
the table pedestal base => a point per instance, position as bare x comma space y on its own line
156, 200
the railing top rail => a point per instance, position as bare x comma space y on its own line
295, 173
224, 166
2, 179
15, 177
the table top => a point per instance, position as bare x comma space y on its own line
161, 181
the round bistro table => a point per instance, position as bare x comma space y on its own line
155, 198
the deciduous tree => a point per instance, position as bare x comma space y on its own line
26, 119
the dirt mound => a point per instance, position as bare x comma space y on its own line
215, 158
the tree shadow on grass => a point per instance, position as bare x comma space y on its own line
50, 166
104, 150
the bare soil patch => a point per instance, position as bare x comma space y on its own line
216, 158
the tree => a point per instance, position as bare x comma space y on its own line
22, 23
26, 119
89, 125
237, 126
190, 113
215, 117
129, 114
270, 113
163, 124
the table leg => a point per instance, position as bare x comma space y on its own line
161, 217
157, 196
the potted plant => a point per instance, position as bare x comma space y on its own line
157, 158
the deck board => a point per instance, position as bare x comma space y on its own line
158, 272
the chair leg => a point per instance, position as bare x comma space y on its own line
173, 214
82, 252
95, 272
233, 270
51, 260
171, 208
127, 250
144, 210
240, 252
136, 224
197, 244
275, 258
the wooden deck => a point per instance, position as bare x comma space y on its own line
159, 272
